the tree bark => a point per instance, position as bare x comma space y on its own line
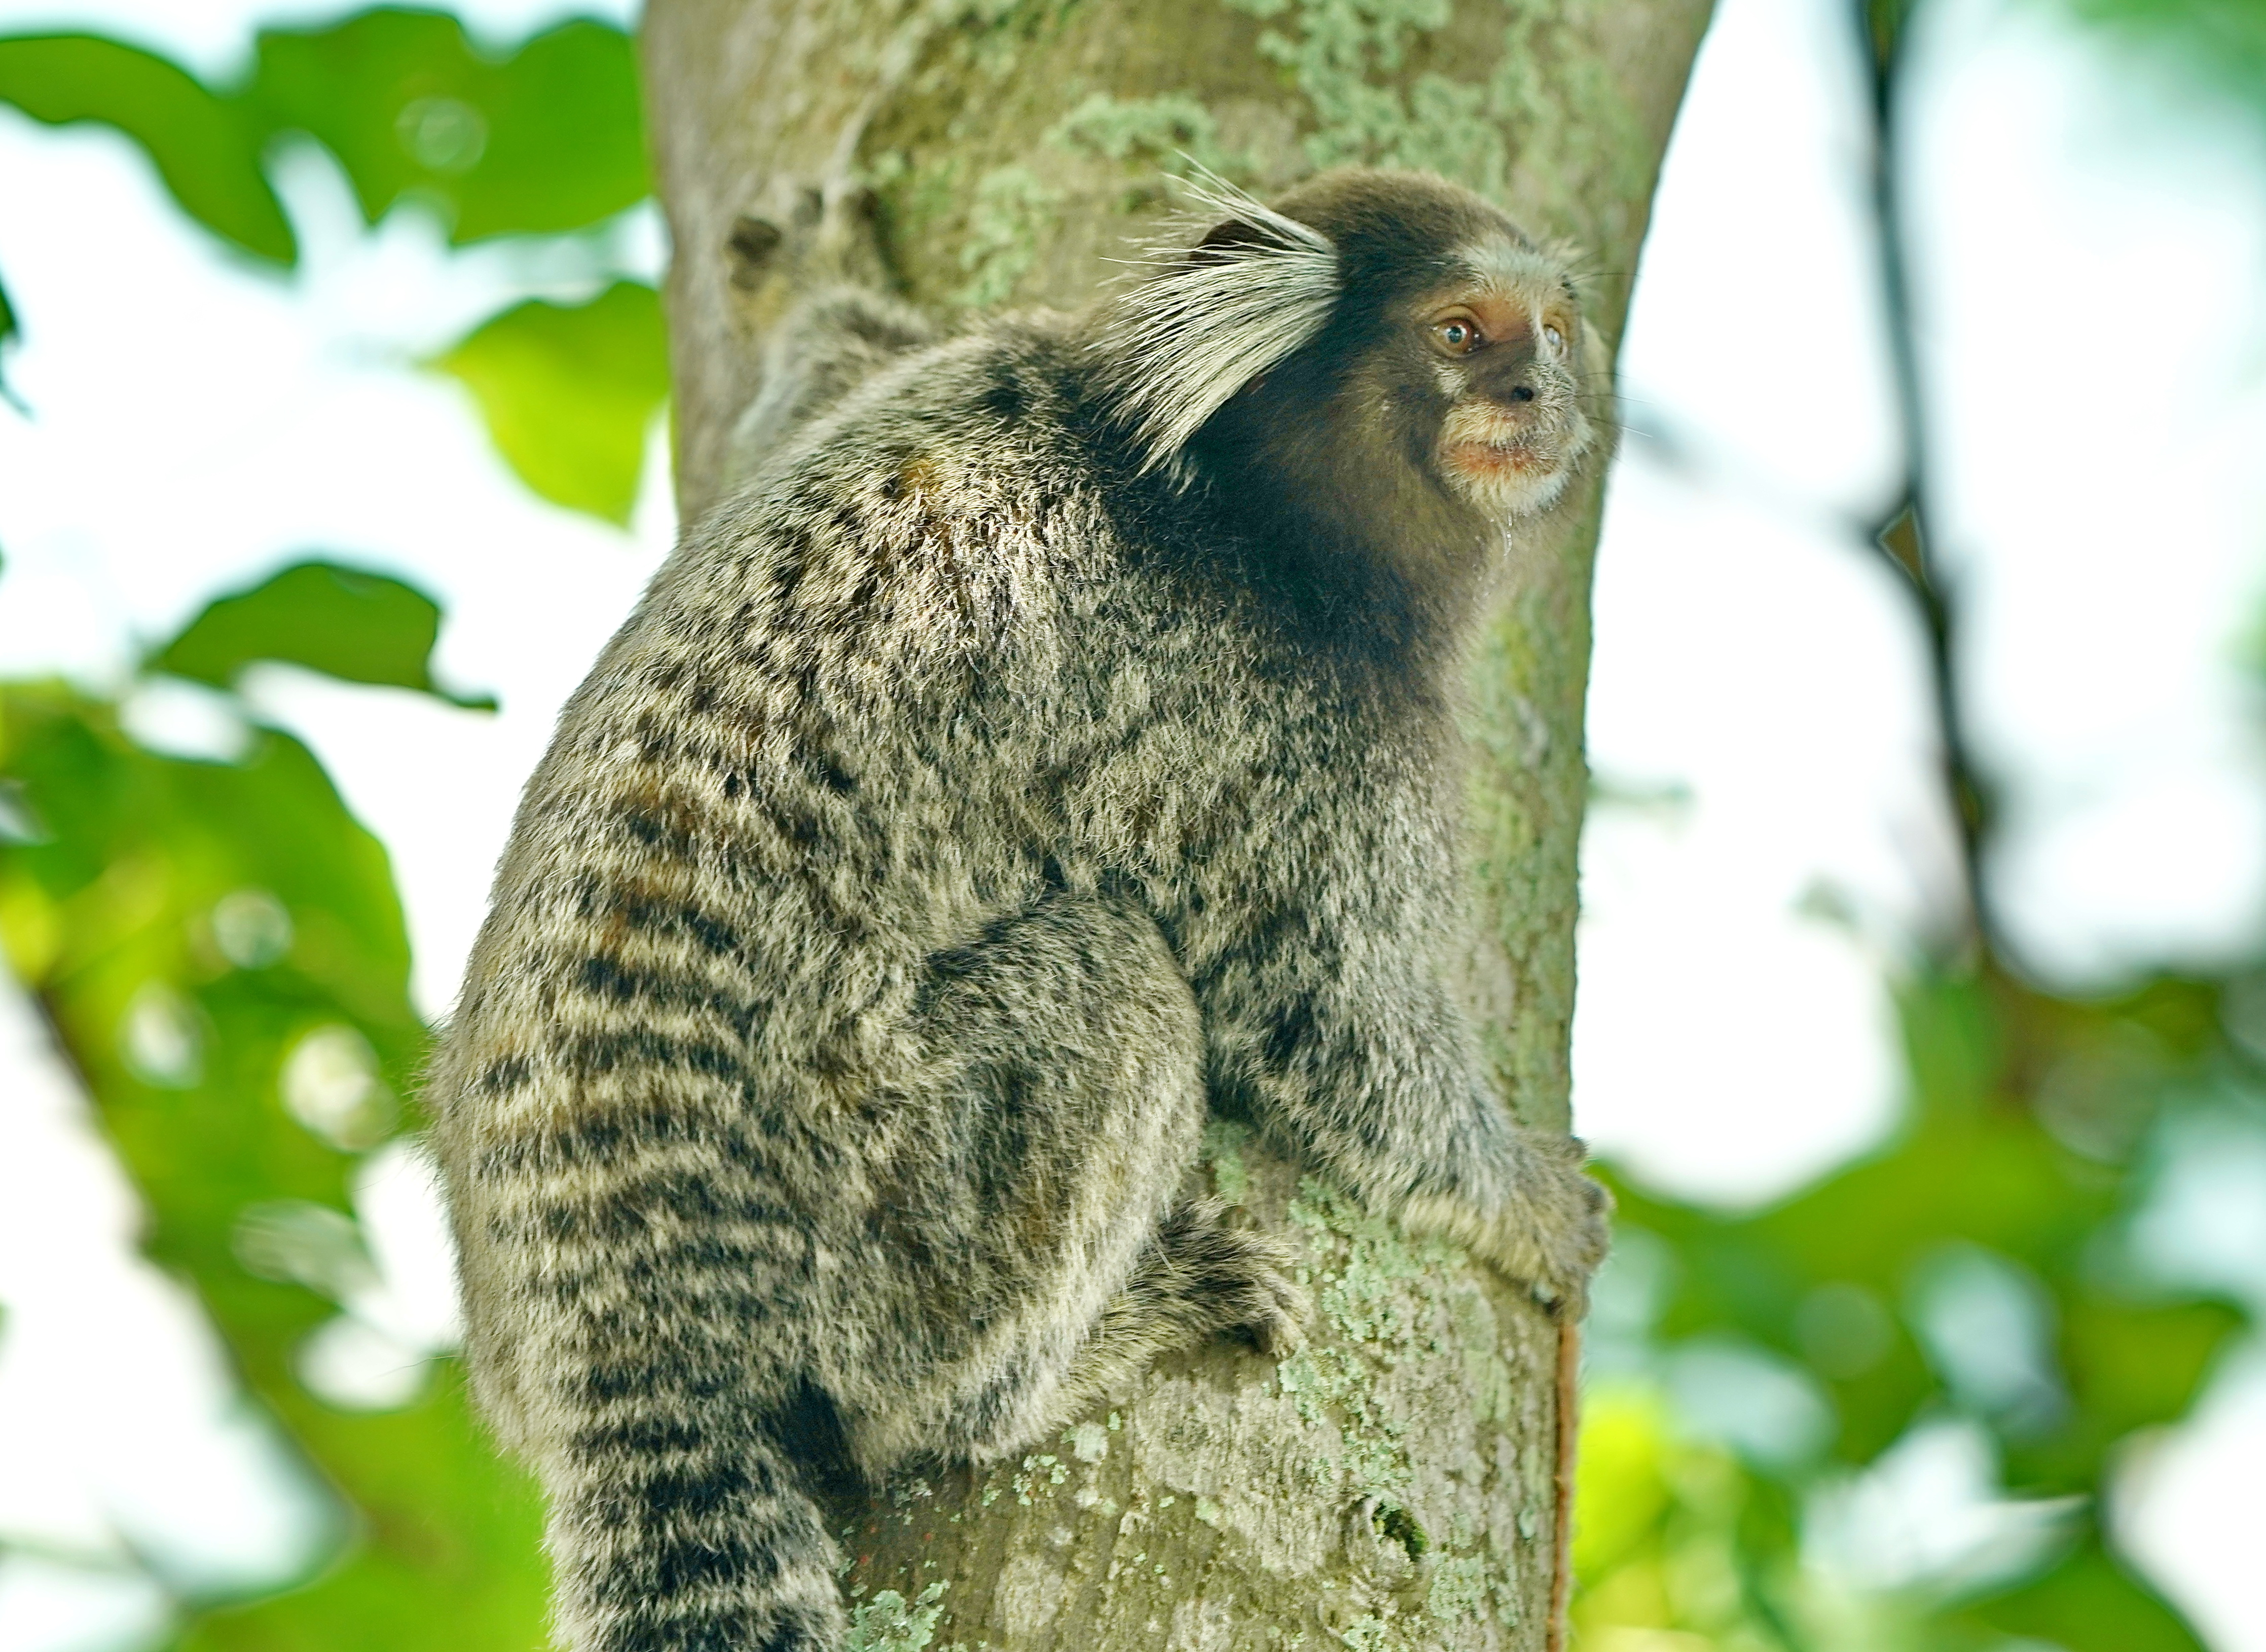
1395, 1484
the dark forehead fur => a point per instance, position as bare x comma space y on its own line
1394, 232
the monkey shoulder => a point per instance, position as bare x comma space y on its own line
900, 606
946, 505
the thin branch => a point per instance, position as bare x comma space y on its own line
1903, 537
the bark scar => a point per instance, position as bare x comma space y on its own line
1562, 1579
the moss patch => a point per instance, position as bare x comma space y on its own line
1012, 211
1349, 59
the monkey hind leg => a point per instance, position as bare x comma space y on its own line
1200, 1279
1040, 1199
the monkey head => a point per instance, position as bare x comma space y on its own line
1382, 346
1453, 335
1504, 340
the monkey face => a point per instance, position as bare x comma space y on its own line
1502, 343
1379, 357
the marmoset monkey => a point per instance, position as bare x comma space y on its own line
1050, 738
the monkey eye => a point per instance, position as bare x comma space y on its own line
1457, 335
1557, 338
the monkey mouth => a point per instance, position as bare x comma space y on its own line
1479, 444
1505, 465
1504, 457
1505, 469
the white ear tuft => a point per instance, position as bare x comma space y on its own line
1207, 319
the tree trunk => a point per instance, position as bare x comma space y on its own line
1396, 1484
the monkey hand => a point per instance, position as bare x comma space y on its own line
1546, 1227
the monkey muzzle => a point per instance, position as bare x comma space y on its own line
1512, 461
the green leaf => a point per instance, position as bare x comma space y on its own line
133, 893
358, 626
568, 393
204, 146
544, 139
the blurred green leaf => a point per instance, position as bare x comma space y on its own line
544, 139
358, 626
541, 140
569, 392
134, 895
2220, 42
2088, 1604
1626, 1439
2133, 1368
205, 147
1675, 1535
2003, 1152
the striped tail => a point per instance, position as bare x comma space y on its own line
672, 1534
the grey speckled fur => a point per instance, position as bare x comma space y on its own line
970, 804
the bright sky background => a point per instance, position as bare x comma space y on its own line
1757, 714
